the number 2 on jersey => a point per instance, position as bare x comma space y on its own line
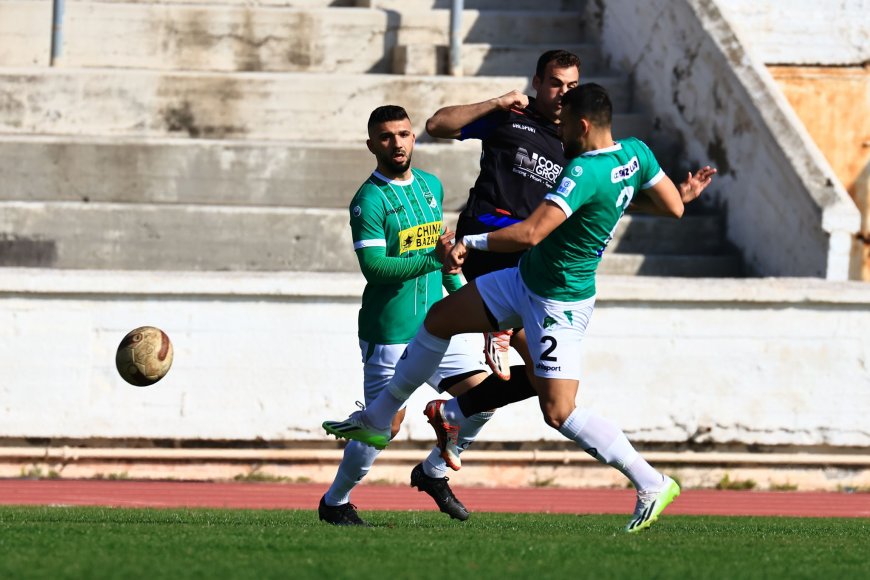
625, 196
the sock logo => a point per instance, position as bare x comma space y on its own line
592, 451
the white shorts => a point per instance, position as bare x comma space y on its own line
464, 355
554, 329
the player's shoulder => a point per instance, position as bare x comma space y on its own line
369, 193
635, 145
429, 179
422, 174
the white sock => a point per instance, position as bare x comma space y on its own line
606, 442
435, 466
418, 363
358, 459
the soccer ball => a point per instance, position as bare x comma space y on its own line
144, 356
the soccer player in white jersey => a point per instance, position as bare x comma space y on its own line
396, 224
552, 293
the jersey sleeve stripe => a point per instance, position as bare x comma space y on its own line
369, 244
560, 201
658, 177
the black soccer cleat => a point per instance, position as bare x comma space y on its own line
340, 515
440, 491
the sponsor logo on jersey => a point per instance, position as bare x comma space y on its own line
536, 167
524, 127
548, 322
421, 237
625, 171
544, 367
357, 211
566, 187
576, 171
395, 210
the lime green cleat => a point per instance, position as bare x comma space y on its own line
355, 427
650, 504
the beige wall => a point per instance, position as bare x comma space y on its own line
834, 105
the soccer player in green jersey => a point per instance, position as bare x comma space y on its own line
552, 292
399, 240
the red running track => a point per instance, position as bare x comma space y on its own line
163, 494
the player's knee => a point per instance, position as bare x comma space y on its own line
437, 319
554, 414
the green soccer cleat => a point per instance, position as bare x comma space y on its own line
650, 504
355, 427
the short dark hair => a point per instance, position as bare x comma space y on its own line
387, 113
591, 102
561, 58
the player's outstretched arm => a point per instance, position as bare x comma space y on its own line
520, 236
667, 199
447, 122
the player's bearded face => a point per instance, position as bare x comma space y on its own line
393, 144
398, 159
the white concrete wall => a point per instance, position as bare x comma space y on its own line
785, 207
803, 32
272, 355
25, 32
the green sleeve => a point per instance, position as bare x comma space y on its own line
378, 268
650, 167
452, 282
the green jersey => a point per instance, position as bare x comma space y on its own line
395, 226
594, 190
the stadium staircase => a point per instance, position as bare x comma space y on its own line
229, 135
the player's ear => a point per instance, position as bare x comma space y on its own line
536, 83
369, 145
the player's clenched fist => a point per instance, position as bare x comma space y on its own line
456, 256
513, 100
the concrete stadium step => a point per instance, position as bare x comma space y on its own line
251, 3
692, 235
102, 236
501, 59
395, 5
493, 26
282, 175
263, 38
75, 235
190, 171
211, 237
227, 38
701, 266
519, 5
291, 106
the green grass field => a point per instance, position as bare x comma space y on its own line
53, 542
